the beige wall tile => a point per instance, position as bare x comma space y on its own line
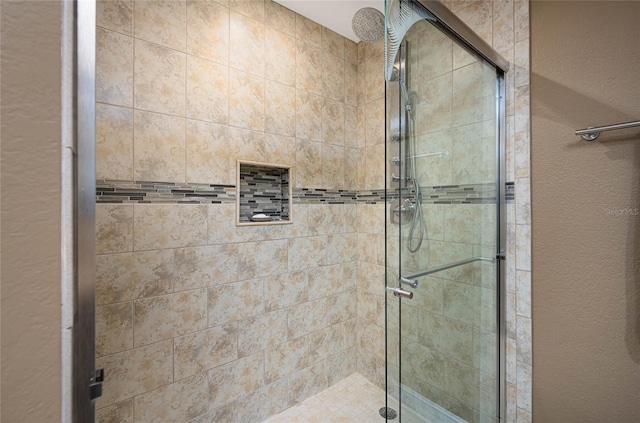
280, 149
179, 401
253, 9
333, 77
428, 364
259, 259
221, 223
247, 145
373, 79
286, 358
307, 382
224, 414
308, 31
159, 78
114, 143
280, 109
309, 67
437, 114
478, 15
306, 253
342, 248
308, 116
341, 366
114, 328
374, 122
333, 166
325, 281
326, 342
116, 15
280, 18
159, 147
374, 173
205, 266
121, 412
114, 68
351, 168
308, 164
263, 403
351, 51
350, 126
208, 31
208, 156
169, 226
207, 90
129, 276
503, 24
235, 301
280, 55
341, 307
350, 83
333, 122
169, 316
449, 337
306, 318
231, 381
285, 290
134, 372
246, 42
161, 22
204, 350
246, 101
114, 228
333, 43
261, 332
327, 219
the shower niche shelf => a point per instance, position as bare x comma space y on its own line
263, 194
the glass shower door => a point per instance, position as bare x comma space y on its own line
443, 231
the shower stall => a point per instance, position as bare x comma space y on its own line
445, 234
382, 282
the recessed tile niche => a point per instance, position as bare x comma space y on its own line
263, 194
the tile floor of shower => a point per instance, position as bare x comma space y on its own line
352, 400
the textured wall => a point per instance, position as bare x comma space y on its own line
31, 258
586, 293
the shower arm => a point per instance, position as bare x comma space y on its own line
411, 279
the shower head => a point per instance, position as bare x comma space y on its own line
368, 24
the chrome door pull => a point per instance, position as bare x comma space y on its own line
399, 292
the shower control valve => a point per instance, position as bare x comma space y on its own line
395, 161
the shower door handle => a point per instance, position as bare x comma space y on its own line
399, 292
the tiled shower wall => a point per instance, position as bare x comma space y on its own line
197, 319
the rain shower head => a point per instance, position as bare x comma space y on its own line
368, 24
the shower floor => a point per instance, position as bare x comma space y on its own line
352, 400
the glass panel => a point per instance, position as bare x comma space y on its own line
442, 344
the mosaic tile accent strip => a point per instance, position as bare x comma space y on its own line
108, 191
264, 189
325, 196
169, 192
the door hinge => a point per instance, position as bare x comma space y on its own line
95, 385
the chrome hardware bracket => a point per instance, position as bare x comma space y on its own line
401, 293
411, 282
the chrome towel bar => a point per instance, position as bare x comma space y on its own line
411, 281
590, 134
